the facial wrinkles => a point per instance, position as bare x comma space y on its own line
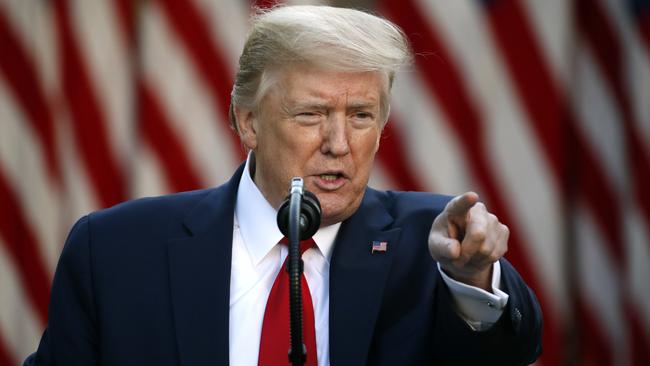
277, 81
335, 144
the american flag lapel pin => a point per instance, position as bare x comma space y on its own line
379, 246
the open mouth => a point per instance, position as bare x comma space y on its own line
330, 177
330, 181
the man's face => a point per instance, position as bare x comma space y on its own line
323, 126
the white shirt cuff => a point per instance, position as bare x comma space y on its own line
479, 308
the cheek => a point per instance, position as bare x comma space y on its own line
289, 151
365, 149
299, 146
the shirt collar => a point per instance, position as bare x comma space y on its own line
257, 221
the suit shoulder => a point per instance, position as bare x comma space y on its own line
170, 204
163, 215
405, 205
404, 201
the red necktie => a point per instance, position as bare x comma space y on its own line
275, 341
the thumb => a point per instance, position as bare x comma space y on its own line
443, 248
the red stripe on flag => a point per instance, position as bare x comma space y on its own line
534, 83
542, 101
446, 83
590, 185
154, 127
5, 356
87, 118
23, 250
20, 73
195, 34
126, 15
643, 25
391, 153
640, 338
609, 53
594, 349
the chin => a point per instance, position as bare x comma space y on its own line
337, 207
328, 214
331, 216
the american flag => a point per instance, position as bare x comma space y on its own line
543, 107
379, 246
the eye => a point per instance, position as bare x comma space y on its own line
362, 119
363, 115
308, 117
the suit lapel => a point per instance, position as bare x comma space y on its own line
199, 271
357, 278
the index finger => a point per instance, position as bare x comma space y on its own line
460, 205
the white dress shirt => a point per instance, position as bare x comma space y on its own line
256, 261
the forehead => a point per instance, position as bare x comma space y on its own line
302, 83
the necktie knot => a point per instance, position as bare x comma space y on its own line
304, 244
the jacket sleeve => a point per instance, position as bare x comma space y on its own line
515, 339
71, 334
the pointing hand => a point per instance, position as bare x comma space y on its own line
466, 240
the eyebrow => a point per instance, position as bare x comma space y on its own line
310, 105
362, 105
326, 105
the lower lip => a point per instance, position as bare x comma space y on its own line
329, 185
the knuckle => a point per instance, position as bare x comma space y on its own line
494, 257
433, 235
434, 254
506, 233
485, 251
478, 235
459, 262
434, 250
453, 202
435, 247
502, 249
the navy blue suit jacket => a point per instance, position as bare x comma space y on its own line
147, 282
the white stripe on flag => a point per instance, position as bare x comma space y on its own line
19, 325
104, 52
186, 100
599, 283
430, 144
21, 160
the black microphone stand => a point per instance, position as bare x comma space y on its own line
298, 351
301, 222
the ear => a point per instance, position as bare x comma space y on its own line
246, 126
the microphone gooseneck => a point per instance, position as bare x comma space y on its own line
298, 219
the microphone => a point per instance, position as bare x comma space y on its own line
310, 212
298, 219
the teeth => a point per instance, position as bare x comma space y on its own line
329, 177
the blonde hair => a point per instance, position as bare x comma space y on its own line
342, 39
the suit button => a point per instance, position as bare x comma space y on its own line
516, 319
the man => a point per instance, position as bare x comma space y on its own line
184, 279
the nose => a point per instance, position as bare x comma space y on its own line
335, 139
